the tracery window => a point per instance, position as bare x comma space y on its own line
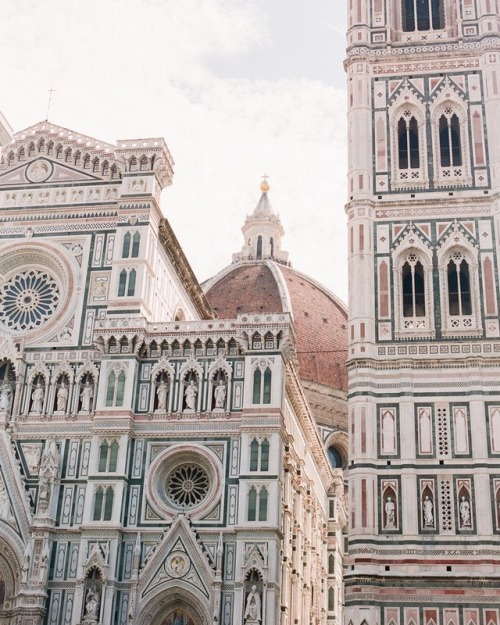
413, 294
257, 504
413, 288
460, 303
262, 386
259, 455
408, 144
422, 15
108, 456
103, 503
449, 139
116, 389
459, 295
131, 244
126, 283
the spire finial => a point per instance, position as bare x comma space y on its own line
50, 92
264, 186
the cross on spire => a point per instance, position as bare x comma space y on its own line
265, 177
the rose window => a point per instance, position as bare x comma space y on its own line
187, 485
28, 300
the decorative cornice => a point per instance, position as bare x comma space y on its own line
181, 265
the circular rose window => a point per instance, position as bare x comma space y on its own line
187, 485
28, 300
185, 478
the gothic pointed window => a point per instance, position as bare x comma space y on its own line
413, 288
254, 455
257, 378
263, 504
422, 15
126, 245
135, 244
413, 295
449, 139
131, 282
98, 499
408, 148
252, 504
122, 283
259, 247
459, 295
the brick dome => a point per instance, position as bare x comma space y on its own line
320, 318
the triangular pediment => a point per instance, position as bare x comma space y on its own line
178, 561
49, 153
44, 170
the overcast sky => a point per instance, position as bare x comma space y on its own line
238, 88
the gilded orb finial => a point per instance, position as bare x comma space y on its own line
264, 186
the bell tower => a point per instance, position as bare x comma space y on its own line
424, 355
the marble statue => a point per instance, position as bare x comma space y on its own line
37, 398
5, 397
62, 397
464, 511
428, 512
86, 395
253, 607
220, 395
162, 393
190, 394
390, 513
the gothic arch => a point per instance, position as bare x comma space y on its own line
458, 249
413, 255
407, 107
157, 609
447, 106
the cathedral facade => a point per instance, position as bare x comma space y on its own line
159, 464
424, 368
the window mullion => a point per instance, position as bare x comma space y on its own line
415, 13
413, 293
459, 290
450, 144
408, 145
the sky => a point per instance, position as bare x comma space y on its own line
238, 89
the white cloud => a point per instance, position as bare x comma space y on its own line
132, 68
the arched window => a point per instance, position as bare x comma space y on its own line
116, 389
271, 245
459, 295
408, 149
449, 139
259, 247
262, 383
131, 283
135, 244
413, 288
103, 503
331, 599
126, 245
108, 504
98, 499
123, 283
267, 387
422, 15
126, 283
257, 377
331, 564
335, 457
257, 504
259, 455
254, 455
252, 504
263, 504
108, 456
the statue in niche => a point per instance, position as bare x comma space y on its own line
464, 512
48, 472
428, 512
37, 398
92, 603
25, 569
62, 397
162, 395
253, 607
220, 395
86, 395
5, 397
390, 514
190, 394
